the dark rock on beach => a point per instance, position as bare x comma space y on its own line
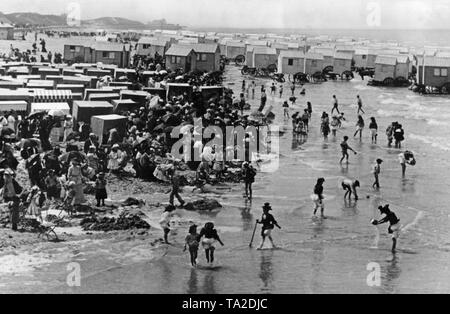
203, 205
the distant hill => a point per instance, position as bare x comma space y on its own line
28, 18
36, 19
4, 19
112, 22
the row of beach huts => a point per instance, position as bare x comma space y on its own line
387, 63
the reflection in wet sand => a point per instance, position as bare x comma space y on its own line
266, 271
393, 271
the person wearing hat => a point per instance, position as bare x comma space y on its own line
192, 241
164, 222
394, 224
100, 189
376, 170
318, 197
349, 187
268, 222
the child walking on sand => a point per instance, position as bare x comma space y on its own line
165, 221
345, 147
192, 241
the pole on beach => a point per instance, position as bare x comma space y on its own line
253, 236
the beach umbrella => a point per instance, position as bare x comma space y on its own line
37, 115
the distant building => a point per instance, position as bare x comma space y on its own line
208, 57
291, 62
262, 57
314, 63
109, 53
6, 31
149, 46
385, 67
433, 71
342, 62
234, 49
104, 52
181, 57
328, 55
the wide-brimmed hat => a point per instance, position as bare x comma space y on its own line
267, 206
379, 161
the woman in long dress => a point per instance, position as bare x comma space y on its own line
113, 161
74, 175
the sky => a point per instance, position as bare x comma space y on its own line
321, 14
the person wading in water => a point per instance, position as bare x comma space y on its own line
268, 222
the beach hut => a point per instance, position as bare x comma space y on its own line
280, 47
19, 106
435, 72
102, 125
181, 57
124, 105
314, 63
403, 66
52, 96
149, 46
77, 51
111, 53
138, 96
6, 31
234, 49
264, 56
328, 56
109, 97
60, 107
361, 57
82, 111
179, 89
342, 62
211, 92
291, 62
372, 55
208, 57
385, 67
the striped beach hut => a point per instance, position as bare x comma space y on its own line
46, 96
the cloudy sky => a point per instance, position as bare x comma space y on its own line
258, 13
